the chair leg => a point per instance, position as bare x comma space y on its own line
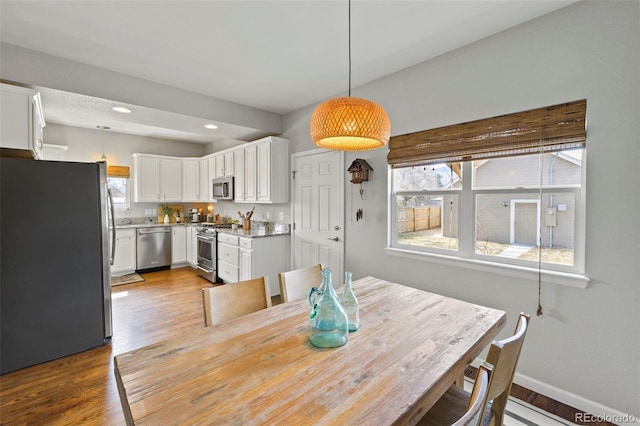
497, 409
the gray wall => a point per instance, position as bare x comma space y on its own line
89, 145
587, 342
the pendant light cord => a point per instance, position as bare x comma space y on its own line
349, 16
540, 166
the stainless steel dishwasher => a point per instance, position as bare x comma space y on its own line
153, 247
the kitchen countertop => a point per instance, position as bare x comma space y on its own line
254, 232
148, 225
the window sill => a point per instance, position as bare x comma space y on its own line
551, 277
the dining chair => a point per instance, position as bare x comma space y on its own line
478, 400
503, 356
295, 285
229, 301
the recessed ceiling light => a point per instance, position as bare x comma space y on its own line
121, 109
211, 126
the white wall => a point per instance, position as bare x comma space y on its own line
584, 349
88, 145
40, 69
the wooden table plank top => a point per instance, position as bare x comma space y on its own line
261, 369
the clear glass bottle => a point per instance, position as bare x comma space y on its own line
350, 303
328, 323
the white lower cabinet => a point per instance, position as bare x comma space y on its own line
192, 246
178, 245
245, 266
124, 261
245, 258
228, 260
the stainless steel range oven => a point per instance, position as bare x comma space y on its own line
207, 242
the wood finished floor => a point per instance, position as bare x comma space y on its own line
81, 390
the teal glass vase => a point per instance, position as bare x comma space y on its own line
350, 303
328, 322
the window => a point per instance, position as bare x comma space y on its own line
426, 200
119, 192
118, 183
519, 203
511, 214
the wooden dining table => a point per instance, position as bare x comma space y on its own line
261, 369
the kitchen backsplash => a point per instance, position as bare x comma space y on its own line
255, 225
263, 212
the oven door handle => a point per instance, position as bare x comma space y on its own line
205, 239
208, 271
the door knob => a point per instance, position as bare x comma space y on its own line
334, 239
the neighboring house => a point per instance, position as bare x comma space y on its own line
512, 218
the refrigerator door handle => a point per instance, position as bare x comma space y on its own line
113, 229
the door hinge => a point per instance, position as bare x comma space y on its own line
293, 174
294, 226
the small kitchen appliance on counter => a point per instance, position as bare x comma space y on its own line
195, 216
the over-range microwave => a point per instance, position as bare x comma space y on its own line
222, 188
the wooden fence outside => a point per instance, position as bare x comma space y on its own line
412, 219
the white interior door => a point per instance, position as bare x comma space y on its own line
318, 211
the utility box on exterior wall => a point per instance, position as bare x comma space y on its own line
551, 217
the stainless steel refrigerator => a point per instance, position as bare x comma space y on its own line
55, 283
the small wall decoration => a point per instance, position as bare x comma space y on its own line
359, 170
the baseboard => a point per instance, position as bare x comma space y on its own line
576, 401
562, 403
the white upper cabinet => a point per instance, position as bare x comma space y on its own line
211, 162
240, 193
157, 178
191, 179
171, 178
266, 172
22, 119
146, 175
224, 164
228, 163
250, 166
260, 170
204, 181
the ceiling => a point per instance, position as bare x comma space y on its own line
276, 56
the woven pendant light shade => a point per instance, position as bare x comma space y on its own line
350, 124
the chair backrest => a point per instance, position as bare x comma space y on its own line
229, 301
504, 355
295, 285
478, 401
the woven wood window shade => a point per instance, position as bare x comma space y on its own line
548, 129
118, 171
